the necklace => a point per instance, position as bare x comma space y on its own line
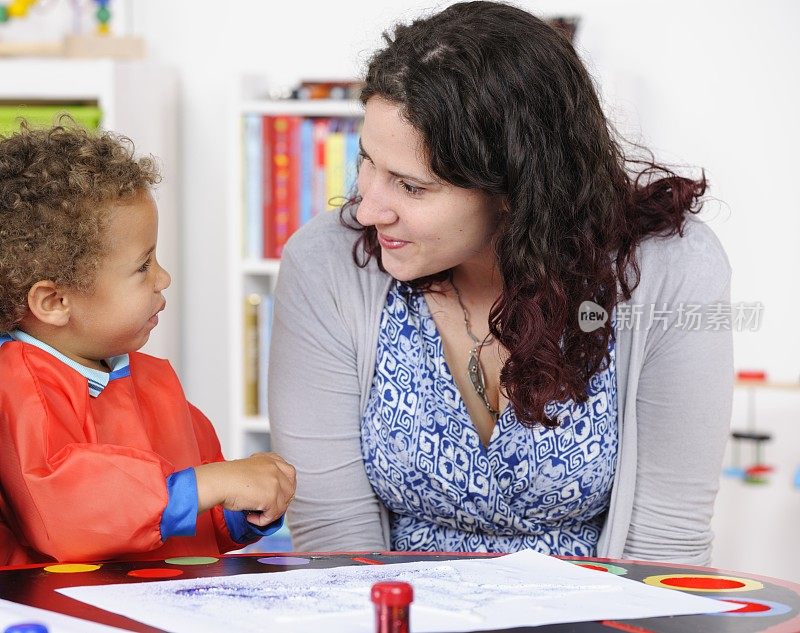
474, 367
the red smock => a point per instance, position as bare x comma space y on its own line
84, 478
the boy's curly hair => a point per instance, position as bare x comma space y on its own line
56, 188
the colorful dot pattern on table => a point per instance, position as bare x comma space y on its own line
752, 608
191, 560
611, 569
284, 560
703, 582
154, 572
761, 605
71, 568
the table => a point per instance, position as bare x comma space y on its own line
768, 604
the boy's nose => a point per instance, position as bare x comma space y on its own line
164, 280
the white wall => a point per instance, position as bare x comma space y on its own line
710, 83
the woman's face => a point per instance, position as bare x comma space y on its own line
424, 226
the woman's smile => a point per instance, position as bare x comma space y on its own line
391, 243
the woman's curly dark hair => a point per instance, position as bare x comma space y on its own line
56, 187
506, 106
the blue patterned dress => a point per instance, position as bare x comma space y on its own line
544, 489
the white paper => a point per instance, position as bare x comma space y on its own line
522, 589
15, 613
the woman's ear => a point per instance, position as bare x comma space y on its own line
48, 304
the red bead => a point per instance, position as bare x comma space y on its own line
392, 600
392, 594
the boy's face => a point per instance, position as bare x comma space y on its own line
119, 314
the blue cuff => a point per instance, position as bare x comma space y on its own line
180, 515
242, 531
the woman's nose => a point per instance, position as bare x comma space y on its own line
376, 205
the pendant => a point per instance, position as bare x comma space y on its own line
476, 373
478, 380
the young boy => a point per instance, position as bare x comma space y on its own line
101, 456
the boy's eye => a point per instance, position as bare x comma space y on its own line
144, 267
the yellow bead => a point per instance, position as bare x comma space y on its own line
18, 9
103, 29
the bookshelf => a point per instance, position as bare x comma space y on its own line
256, 275
137, 99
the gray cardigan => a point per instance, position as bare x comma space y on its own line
674, 396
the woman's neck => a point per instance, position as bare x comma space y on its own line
479, 280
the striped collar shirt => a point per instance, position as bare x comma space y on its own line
97, 380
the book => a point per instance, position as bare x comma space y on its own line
351, 152
294, 177
306, 170
264, 336
280, 182
250, 344
335, 186
267, 235
286, 179
254, 192
319, 192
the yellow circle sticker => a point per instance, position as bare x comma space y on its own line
71, 568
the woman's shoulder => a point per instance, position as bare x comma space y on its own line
693, 260
324, 237
696, 243
320, 254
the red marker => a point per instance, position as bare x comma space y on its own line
392, 601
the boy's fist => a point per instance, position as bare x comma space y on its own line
262, 484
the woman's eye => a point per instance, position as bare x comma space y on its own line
411, 189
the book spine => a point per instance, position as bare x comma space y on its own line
268, 207
280, 180
253, 186
306, 170
351, 157
251, 350
294, 175
335, 186
321, 127
243, 211
264, 335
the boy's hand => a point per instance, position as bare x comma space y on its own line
262, 484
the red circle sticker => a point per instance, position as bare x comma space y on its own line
698, 582
703, 582
749, 607
154, 572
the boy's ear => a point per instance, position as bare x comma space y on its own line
48, 304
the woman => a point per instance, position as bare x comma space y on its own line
489, 349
